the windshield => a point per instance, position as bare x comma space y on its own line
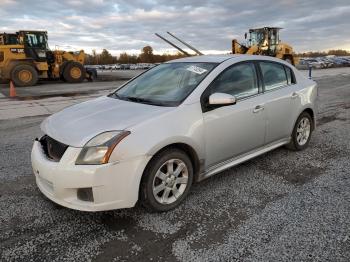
165, 85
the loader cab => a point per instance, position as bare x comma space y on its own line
266, 39
8, 39
35, 44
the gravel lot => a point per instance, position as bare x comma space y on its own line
282, 206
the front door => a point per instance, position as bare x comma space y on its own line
236, 129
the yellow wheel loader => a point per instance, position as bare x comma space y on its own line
265, 41
25, 58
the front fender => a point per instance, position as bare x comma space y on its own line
181, 125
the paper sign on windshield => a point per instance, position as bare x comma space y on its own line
196, 69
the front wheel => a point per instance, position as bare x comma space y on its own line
166, 180
301, 133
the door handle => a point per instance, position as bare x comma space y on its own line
295, 95
258, 108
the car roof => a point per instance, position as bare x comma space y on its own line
222, 58
205, 58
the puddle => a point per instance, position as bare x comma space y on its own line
326, 119
39, 97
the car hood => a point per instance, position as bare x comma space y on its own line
76, 125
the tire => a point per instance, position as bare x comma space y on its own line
301, 136
74, 72
92, 75
24, 75
157, 176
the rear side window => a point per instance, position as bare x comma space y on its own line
290, 76
239, 80
274, 75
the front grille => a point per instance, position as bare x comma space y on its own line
53, 149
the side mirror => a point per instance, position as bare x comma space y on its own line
245, 35
221, 99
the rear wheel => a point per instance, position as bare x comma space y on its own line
301, 133
24, 75
74, 72
166, 180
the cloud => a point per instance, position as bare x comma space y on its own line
208, 25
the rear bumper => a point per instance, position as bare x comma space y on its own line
114, 185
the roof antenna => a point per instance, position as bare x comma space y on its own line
186, 44
172, 44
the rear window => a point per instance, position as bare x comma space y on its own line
274, 75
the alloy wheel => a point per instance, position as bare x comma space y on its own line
303, 131
170, 181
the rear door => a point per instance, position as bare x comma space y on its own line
280, 96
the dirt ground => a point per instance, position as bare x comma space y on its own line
281, 206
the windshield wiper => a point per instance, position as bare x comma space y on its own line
142, 100
131, 98
115, 95
136, 99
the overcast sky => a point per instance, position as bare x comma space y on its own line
208, 25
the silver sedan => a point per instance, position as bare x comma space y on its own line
178, 123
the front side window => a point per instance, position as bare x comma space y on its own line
31, 40
239, 80
273, 74
36, 40
167, 84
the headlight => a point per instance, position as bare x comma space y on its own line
99, 149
